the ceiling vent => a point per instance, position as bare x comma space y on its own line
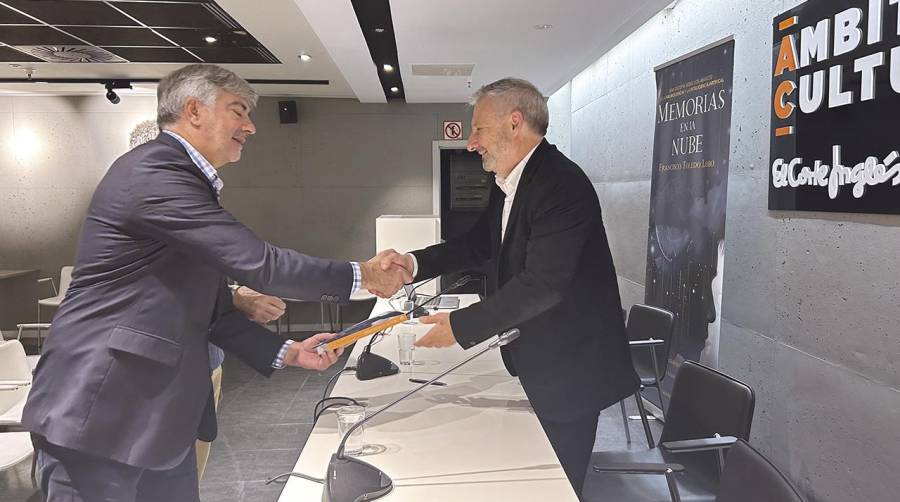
442, 70
71, 53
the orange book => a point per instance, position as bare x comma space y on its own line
363, 329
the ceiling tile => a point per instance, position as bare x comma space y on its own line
231, 55
175, 15
100, 35
196, 38
9, 16
8, 55
67, 12
153, 54
34, 35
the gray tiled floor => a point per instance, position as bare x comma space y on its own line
263, 424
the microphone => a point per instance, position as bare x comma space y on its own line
348, 479
369, 365
417, 310
411, 290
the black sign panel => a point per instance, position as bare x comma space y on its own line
835, 107
688, 192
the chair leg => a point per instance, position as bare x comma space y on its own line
643, 412
625, 422
39, 329
662, 408
673, 486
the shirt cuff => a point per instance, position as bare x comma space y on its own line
278, 363
415, 270
357, 277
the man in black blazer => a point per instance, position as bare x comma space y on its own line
542, 242
123, 389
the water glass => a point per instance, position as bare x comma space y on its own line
405, 343
347, 417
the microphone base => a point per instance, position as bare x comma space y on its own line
369, 366
349, 480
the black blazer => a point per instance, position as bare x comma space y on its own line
125, 369
553, 278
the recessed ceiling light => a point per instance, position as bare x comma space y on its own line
379, 30
304, 56
543, 26
395, 89
388, 67
210, 39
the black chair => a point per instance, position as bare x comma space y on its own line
649, 331
707, 411
750, 477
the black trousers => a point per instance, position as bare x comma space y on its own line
72, 476
573, 442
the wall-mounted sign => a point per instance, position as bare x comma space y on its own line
453, 129
835, 107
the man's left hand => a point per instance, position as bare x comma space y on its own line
257, 306
304, 355
441, 335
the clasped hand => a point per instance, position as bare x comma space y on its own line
386, 273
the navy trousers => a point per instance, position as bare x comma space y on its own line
71, 476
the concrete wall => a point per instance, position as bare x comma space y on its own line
810, 300
316, 186
53, 152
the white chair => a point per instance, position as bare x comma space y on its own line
65, 278
15, 382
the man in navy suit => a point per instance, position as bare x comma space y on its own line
122, 390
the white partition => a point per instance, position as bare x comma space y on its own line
407, 233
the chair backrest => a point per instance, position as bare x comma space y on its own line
13, 364
13, 367
705, 402
750, 477
65, 278
646, 322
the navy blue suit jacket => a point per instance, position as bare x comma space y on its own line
125, 369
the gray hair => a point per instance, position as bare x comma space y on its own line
200, 81
518, 95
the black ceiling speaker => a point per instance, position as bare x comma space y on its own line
287, 112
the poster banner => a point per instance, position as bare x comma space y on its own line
835, 95
688, 191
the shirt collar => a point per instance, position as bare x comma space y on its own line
511, 182
200, 161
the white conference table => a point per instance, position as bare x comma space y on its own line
475, 439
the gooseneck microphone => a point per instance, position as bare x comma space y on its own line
370, 366
417, 309
348, 479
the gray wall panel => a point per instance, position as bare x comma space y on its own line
750, 256
625, 208
810, 300
840, 429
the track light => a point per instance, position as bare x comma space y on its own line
115, 84
111, 95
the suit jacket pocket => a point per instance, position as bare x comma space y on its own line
146, 345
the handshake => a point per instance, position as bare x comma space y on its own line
386, 273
